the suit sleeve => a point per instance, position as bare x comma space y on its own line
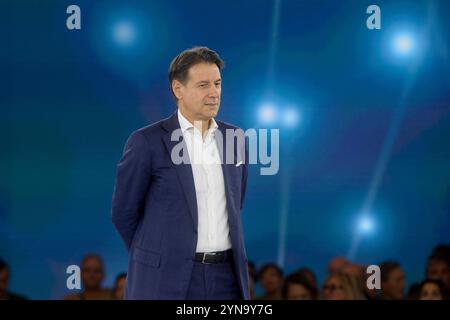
131, 185
244, 174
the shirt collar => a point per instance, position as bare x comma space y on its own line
185, 124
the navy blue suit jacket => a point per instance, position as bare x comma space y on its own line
154, 209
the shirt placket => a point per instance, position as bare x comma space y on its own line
209, 191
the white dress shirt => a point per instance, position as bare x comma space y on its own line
213, 228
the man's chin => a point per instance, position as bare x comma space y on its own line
212, 113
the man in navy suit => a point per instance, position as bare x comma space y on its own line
179, 193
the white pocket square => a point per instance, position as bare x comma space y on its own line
238, 164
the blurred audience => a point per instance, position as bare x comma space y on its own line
342, 286
354, 270
271, 278
346, 280
438, 267
370, 294
433, 289
393, 281
309, 275
298, 287
92, 275
442, 250
5, 273
336, 264
414, 291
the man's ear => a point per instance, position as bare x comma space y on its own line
177, 88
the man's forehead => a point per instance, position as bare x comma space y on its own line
204, 72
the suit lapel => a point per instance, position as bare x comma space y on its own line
226, 168
184, 171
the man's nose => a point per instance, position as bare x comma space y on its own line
214, 92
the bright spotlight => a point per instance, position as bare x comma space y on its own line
291, 117
267, 113
365, 225
124, 33
403, 44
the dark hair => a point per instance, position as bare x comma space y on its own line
305, 272
442, 250
297, 278
3, 265
268, 266
414, 291
436, 258
386, 268
180, 65
439, 283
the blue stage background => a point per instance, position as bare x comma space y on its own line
366, 114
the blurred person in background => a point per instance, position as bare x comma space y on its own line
341, 286
356, 271
438, 268
119, 286
353, 269
414, 291
298, 287
433, 289
336, 264
271, 278
393, 281
92, 275
442, 250
371, 294
309, 275
5, 274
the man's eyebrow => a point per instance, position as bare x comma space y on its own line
206, 81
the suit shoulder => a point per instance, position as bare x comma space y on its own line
227, 125
151, 129
150, 133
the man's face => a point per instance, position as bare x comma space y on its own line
395, 284
199, 97
92, 274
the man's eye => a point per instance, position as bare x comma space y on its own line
203, 85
